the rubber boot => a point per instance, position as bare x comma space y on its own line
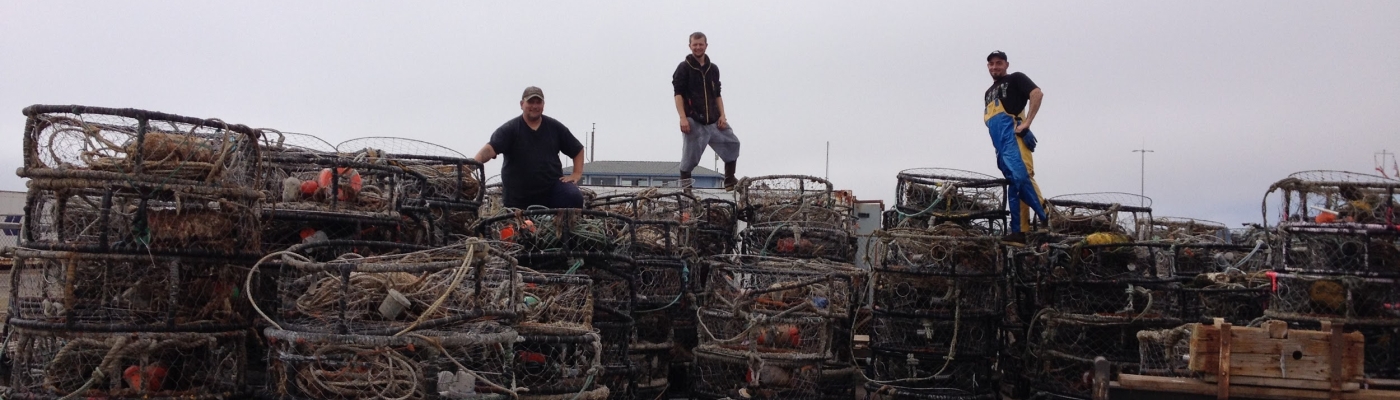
729, 180
685, 182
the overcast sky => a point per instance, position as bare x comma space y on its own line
1230, 96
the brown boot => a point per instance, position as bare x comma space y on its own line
685, 182
729, 180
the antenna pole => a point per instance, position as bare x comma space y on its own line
592, 141
828, 161
1142, 178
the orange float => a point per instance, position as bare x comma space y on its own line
347, 175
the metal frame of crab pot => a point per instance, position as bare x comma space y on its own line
1068, 201
445, 211
993, 220
1348, 249
567, 241
749, 212
673, 206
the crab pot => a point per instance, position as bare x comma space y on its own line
960, 375
449, 221
472, 362
958, 253
621, 381
1088, 213
1187, 230
1348, 197
1087, 337
657, 238
649, 205
782, 197
1166, 352
555, 303
838, 381
887, 392
1372, 250
896, 218
899, 290
1012, 359
1191, 259
103, 292
712, 242
1058, 376
653, 328
1116, 261
798, 240
1237, 305
792, 334
333, 182
660, 282
115, 216
966, 335
616, 333
720, 373
1340, 298
1121, 300
775, 285
558, 364
406, 288
47, 364
718, 214
138, 146
546, 231
948, 194
653, 367
287, 228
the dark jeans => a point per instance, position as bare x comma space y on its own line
562, 195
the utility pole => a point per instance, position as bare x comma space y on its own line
1380, 158
828, 161
1142, 172
592, 141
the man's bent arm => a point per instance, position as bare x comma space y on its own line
487, 153
1031, 108
578, 169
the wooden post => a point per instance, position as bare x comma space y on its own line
1223, 375
1101, 378
1334, 358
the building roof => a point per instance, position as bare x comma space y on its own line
642, 168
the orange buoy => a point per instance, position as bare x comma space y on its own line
347, 175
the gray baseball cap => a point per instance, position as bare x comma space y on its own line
532, 92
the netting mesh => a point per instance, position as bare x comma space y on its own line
798, 240
471, 362
1234, 296
661, 282
1125, 300
1348, 299
541, 231
946, 249
1089, 213
556, 303
786, 198
117, 216
899, 290
650, 204
1166, 352
658, 238
930, 196
780, 285
91, 142
719, 374
965, 337
1312, 248
96, 291
54, 363
397, 291
1335, 196
917, 370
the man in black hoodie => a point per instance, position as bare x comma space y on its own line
701, 110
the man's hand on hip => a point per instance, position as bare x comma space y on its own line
570, 178
1021, 128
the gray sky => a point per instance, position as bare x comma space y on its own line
1232, 96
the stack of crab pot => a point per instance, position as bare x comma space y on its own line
710, 232
1337, 258
594, 244
660, 221
361, 319
939, 288
767, 324
442, 188
1089, 286
127, 282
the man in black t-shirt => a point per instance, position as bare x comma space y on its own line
1008, 120
532, 173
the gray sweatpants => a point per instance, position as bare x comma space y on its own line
724, 142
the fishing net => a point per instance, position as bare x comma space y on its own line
1334, 196
559, 365
1340, 249
1115, 300
286, 228
757, 332
650, 204
1185, 230
102, 292
945, 250
48, 363
1235, 296
155, 148
1193, 259
778, 285
402, 289
798, 240
661, 282
544, 231
720, 373
935, 195
962, 336
1166, 352
932, 372
277, 142
439, 182
1111, 261
555, 303
1088, 213
120, 216
658, 238
470, 362
718, 214
1339, 298
786, 198
903, 290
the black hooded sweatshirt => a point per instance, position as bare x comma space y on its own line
698, 86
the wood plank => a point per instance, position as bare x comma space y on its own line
1283, 383
1269, 352
1222, 387
1195, 386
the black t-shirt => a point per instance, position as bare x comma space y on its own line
1009, 94
532, 164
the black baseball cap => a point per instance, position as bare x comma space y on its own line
996, 54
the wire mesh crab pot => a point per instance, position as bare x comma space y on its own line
105, 292
1116, 300
554, 303
901, 290
1087, 337
406, 288
783, 197
657, 238
838, 381
471, 362
1234, 296
649, 204
798, 240
1112, 261
650, 355
1370, 250
879, 391
964, 335
1089, 213
1192, 259
944, 194
119, 216
775, 285
947, 250
718, 214
80, 142
1335, 196
661, 282
616, 331
445, 175
932, 373
1058, 376
765, 332
1339, 298
712, 242
720, 373
308, 181
551, 366
286, 228
544, 231
50, 364
1166, 352
1185, 230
